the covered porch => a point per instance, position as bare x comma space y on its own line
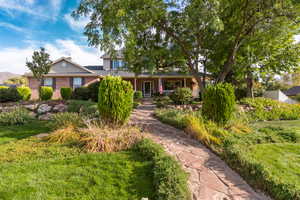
162, 85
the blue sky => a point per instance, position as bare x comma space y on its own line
26, 25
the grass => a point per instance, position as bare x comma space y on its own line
13, 133
282, 161
34, 169
267, 156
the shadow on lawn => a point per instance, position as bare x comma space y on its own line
12, 133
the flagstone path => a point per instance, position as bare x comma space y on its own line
210, 177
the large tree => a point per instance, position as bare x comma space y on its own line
40, 64
207, 33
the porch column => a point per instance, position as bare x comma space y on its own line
184, 82
160, 87
135, 84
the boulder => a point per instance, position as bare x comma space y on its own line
60, 108
44, 108
31, 107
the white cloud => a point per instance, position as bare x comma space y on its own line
48, 10
11, 26
297, 38
14, 59
77, 25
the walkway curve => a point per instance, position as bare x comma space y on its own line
210, 177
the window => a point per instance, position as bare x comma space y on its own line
172, 84
117, 64
48, 82
77, 82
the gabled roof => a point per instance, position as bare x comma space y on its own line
293, 91
68, 59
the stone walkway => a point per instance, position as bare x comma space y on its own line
210, 178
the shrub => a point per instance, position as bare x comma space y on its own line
4, 87
170, 180
24, 92
66, 135
219, 103
182, 96
101, 138
9, 95
66, 93
261, 109
81, 93
45, 93
197, 129
298, 97
18, 116
66, 119
85, 108
138, 95
115, 99
162, 101
94, 91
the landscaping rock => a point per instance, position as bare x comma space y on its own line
45, 117
31, 107
44, 108
60, 108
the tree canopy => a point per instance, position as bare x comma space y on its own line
189, 34
40, 64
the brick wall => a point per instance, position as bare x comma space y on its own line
60, 82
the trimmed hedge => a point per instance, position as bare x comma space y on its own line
182, 96
94, 91
85, 108
219, 103
9, 95
24, 92
262, 109
81, 93
170, 181
45, 93
66, 93
115, 100
138, 95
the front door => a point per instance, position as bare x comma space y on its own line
147, 88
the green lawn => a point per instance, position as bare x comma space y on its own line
36, 170
295, 124
12, 133
282, 161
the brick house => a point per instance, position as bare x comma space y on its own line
66, 73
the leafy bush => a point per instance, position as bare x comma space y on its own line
24, 92
170, 181
298, 97
45, 93
115, 99
138, 95
18, 116
94, 91
4, 87
85, 108
66, 93
9, 95
219, 103
162, 101
182, 96
81, 93
261, 109
66, 119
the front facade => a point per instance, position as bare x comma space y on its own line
66, 73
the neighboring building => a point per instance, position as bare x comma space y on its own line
66, 73
279, 96
294, 91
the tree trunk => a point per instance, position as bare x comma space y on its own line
228, 65
204, 78
249, 80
